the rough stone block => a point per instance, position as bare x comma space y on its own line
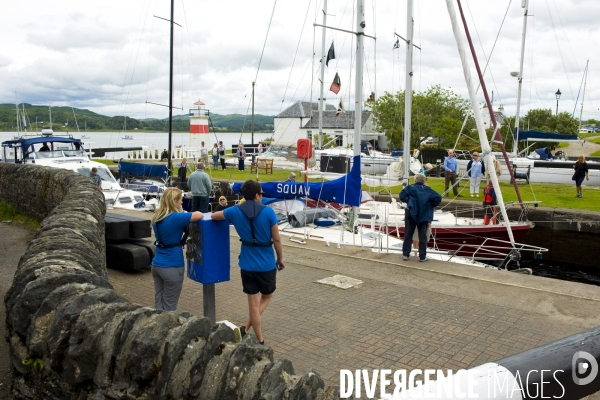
307, 387
278, 378
83, 355
59, 330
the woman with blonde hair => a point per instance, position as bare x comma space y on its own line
169, 223
581, 172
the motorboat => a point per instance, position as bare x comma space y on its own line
68, 153
127, 137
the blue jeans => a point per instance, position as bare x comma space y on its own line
409, 229
215, 161
241, 164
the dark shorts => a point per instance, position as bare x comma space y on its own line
255, 282
579, 180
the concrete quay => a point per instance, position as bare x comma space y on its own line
405, 315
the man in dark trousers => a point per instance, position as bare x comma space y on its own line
420, 200
200, 186
182, 170
257, 226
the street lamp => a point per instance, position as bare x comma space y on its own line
557, 94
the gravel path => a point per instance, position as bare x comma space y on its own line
587, 148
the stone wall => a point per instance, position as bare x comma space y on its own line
72, 337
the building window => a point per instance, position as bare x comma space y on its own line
339, 140
309, 134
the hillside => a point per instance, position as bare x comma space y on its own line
91, 121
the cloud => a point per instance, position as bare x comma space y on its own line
112, 57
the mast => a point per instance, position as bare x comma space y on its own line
170, 164
253, 114
17, 108
322, 90
485, 144
358, 83
525, 5
583, 96
408, 92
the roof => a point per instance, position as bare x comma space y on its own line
199, 103
344, 121
302, 109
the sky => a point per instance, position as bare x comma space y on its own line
112, 57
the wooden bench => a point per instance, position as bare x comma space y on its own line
266, 164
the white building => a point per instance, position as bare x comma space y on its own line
487, 121
301, 120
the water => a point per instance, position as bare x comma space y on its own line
563, 271
154, 140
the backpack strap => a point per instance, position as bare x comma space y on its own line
158, 242
251, 209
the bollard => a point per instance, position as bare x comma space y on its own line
438, 168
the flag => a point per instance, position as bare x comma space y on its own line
330, 54
340, 109
24, 121
396, 45
336, 85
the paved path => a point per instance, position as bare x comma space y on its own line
405, 314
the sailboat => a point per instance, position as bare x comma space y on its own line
327, 224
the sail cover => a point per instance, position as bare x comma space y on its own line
343, 190
544, 136
145, 170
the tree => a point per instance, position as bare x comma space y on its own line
436, 112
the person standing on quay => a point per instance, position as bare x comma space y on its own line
476, 170
204, 153
450, 168
241, 155
168, 223
200, 186
215, 156
257, 226
420, 200
182, 170
222, 155
581, 172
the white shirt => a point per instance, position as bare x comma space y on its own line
203, 151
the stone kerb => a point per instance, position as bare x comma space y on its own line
72, 337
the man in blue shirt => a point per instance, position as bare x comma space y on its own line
257, 226
450, 168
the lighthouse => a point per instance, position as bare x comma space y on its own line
199, 125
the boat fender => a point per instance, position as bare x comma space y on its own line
141, 204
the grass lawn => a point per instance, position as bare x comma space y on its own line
555, 196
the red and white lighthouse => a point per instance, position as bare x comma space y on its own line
199, 126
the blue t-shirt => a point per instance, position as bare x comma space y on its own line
170, 231
254, 258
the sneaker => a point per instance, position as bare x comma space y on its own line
477, 195
425, 259
472, 195
405, 258
243, 331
